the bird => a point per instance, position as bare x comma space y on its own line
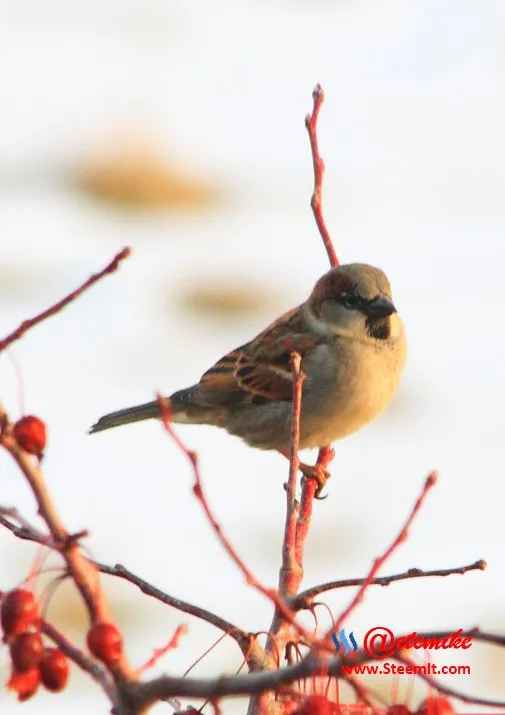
353, 350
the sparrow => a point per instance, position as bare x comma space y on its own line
353, 350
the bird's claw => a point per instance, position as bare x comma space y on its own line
317, 472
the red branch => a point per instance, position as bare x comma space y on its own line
292, 570
180, 631
325, 456
318, 163
31, 322
326, 453
380, 561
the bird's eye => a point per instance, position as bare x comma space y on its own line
351, 300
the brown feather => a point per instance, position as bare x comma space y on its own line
259, 371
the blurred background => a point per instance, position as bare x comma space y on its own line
178, 128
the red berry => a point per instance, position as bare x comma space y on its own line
105, 642
30, 434
398, 710
26, 651
19, 611
24, 684
54, 669
435, 705
315, 705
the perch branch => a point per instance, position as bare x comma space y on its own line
309, 488
291, 573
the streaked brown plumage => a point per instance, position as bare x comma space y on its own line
353, 351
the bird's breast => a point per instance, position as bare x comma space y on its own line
348, 385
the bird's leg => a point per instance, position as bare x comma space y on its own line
324, 457
317, 471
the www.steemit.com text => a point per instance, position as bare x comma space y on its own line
398, 669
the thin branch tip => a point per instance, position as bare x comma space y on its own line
432, 478
125, 253
28, 324
318, 167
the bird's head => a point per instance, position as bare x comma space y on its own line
355, 300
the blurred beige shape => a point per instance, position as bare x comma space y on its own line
19, 280
66, 611
222, 296
130, 170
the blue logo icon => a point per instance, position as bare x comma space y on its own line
344, 641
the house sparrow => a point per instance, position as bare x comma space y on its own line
353, 349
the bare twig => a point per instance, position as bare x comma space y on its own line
379, 562
306, 598
180, 631
31, 322
318, 163
23, 529
242, 638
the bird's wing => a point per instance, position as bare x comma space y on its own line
258, 371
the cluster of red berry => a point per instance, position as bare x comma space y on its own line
33, 663
320, 705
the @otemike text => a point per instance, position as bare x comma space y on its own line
380, 642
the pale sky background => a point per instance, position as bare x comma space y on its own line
413, 140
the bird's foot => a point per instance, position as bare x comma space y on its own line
317, 472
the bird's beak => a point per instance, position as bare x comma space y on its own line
380, 307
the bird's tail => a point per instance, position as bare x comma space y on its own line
147, 411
